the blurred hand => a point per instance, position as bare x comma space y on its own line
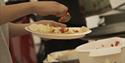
65, 18
51, 23
45, 8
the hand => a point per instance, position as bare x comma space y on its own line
51, 23
45, 8
65, 18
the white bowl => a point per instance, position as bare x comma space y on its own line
101, 51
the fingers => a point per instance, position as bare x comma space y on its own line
65, 18
44, 8
58, 7
61, 10
51, 23
56, 24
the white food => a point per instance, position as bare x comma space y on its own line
40, 28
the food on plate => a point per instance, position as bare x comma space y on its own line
58, 56
40, 28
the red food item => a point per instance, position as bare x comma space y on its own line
62, 30
117, 43
62, 19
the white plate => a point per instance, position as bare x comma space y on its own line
60, 36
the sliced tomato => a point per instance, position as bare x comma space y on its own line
62, 30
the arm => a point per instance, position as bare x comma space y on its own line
12, 12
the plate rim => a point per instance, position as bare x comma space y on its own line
61, 34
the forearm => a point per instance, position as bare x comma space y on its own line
12, 12
17, 29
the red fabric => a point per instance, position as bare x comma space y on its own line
22, 49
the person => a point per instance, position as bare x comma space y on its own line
11, 12
77, 20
